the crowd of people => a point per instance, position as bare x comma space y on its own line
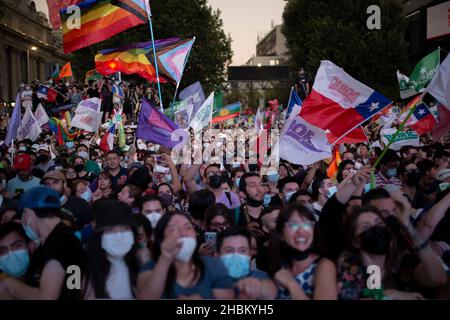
139, 226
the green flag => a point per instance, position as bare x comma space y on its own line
425, 70
218, 102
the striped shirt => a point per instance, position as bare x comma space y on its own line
381, 180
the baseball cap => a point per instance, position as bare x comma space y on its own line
57, 175
42, 147
23, 161
443, 174
110, 213
40, 198
136, 165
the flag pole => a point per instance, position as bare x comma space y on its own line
400, 128
149, 14
182, 71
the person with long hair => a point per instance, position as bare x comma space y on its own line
369, 242
296, 261
131, 195
112, 263
176, 270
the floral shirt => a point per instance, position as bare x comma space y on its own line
351, 278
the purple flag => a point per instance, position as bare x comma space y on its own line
194, 96
14, 123
153, 126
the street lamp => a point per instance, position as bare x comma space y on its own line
33, 48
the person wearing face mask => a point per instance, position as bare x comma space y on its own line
387, 174
24, 181
79, 165
80, 209
80, 189
346, 169
44, 162
305, 199
152, 209
233, 248
176, 271
269, 217
370, 243
58, 248
112, 265
214, 179
216, 220
322, 190
287, 186
409, 175
165, 192
236, 175
14, 251
272, 180
296, 261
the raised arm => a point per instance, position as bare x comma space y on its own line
433, 217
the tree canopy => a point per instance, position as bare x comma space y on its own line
176, 18
337, 31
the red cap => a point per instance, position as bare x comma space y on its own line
23, 162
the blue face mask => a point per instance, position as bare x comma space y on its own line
367, 187
69, 144
331, 191
15, 263
198, 179
31, 234
87, 195
273, 177
288, 196
169, 178
392, 172
238, 265
266, 200
237, 181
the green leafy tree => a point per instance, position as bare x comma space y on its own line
337, 31
209, 57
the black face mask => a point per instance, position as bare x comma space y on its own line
294, 254
376, 240
393, 224
42, 158
253, 167
215, 181
412, 179
79, 167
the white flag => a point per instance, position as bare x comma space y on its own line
93, 104
439, 86
29, 128
87, 119
203, 117
40, 115
302, 143
258, 122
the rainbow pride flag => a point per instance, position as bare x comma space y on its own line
137, 59
100, 20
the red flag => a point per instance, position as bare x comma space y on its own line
443, 127
334, 164
53, 10
356, 136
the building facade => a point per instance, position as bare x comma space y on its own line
29, 49
271, 50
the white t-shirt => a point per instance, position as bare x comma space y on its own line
118, 282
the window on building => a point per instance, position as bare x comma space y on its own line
272, 62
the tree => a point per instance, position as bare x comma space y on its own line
337, 31
176, 18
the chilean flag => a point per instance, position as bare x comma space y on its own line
422, 120
339, 103
107, 142
46, 93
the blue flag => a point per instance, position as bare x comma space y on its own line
194, 97
153, 126
14, 123
294, 99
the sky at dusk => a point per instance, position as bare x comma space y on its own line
243, 19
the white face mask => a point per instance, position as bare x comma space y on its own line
83, 154
187, 249
154, 218
118, 244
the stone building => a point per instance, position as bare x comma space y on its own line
29, 49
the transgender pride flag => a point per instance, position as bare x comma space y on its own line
340, 103
172, 60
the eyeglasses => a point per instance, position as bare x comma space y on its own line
295, 226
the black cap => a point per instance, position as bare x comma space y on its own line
110, 213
